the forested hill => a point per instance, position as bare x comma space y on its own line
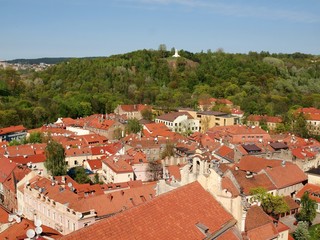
38, 60
259, 83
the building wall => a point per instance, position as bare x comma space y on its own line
289, 190
53, 214
109, 176
70, 160
306, 165
314, 126
140, 171
314, 179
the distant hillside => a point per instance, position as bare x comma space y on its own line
260, 83
39, 60
46, 60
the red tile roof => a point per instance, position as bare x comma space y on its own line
17, 231
95, 164
303, 153
270, 119
4, 214
6, 167
157, 130
38, 158
18, 173
314, 192
134, 107
258, 225
116, 201
256, 164
291, 203
117, 165
170, 216
310, 113
258, 180
107, 150
174, 170
284, 176
228, 185
173, 115
28, 149
226, 152
12, 129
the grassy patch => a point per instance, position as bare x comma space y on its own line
314, 232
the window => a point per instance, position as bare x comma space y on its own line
75, 162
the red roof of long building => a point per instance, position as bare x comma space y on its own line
173, 215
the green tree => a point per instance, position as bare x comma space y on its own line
147, 114
97, 179
301, 233
133, 126
55, 159
272, 205
35, 137
80, 175
300, 126
39, 114
308, 209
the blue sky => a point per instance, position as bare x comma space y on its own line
79, 28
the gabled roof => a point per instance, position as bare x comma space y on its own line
226, 152
228, 185
258, 180
268, 119
303, 153
312, 189
173, 215
117, 165
18, 173
287, 175
260, 226
174, 170
116, 201
6, 168
173, 115
12, 129
28, 149
134, 107
95, 164
310, 113
18, 231
256, 164
157, 130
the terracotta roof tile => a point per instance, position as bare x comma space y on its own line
12, 129
169, 216
257, 180
284, 176
314, 192
134, 107
6, 167
256, 164
256, 217
117, 165
173, 115
18, 231
226, 152
227, 184
37, 158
